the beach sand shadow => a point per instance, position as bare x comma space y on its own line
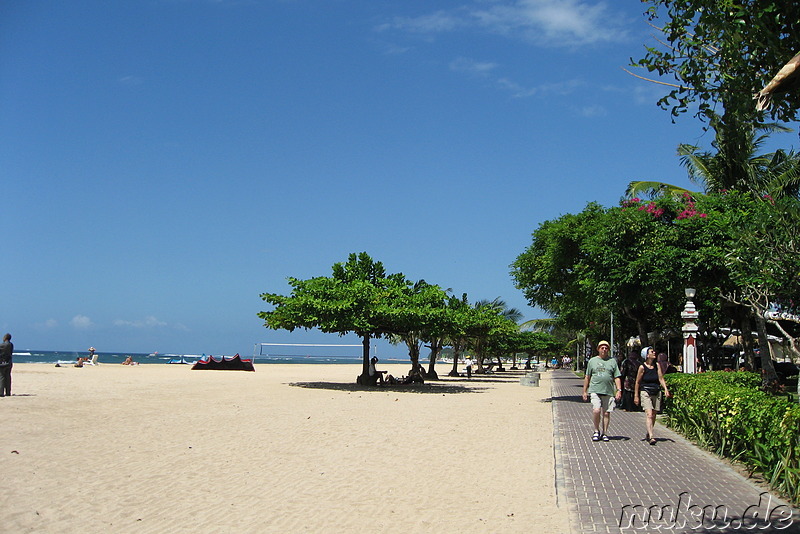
566, 398
474, 380
436, 389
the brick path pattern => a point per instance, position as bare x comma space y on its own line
602, 482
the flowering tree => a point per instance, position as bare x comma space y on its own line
737, 249
634, 260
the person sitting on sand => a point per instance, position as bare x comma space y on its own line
129, 361
374, 374
79, 362
402, 381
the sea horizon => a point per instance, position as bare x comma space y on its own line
62, 357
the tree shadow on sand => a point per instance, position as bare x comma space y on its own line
479, 380
435, 389
565, 398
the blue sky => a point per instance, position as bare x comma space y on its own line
166, 161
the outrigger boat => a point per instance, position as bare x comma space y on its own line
182, 359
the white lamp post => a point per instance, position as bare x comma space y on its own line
689, 316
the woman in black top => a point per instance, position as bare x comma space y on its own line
649, 384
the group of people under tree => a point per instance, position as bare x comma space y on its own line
415, 376
642, 382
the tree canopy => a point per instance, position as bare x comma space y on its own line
635, 259
360, 297
719, 54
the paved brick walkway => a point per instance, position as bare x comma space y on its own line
601, 482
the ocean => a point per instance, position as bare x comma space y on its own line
53, 357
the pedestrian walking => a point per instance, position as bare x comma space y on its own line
629, 369
649, 385
603, 385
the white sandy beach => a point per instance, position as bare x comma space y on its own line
161, 448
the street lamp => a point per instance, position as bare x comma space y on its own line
689, 316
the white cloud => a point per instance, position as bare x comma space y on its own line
592, 111
555, 23
440, 21
81, 321
516, 89
129, 80
478, 68
148, 322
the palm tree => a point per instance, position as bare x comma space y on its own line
655, 190
735, 165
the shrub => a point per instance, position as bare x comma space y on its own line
726, 413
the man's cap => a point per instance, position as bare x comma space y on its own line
606, 343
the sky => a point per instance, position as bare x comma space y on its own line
164, 162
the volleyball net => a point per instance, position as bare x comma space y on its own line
298, 352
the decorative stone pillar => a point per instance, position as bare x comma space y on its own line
690, 329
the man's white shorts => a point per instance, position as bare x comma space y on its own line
606, 403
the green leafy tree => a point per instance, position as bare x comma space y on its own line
633, 260
462, 318
719, 54
764, 259
552, 271
532, 344
499, 320
359, 297
431, 322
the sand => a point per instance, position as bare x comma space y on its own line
289, 448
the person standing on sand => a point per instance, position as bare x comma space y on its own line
602, 374
468, 366
6, 356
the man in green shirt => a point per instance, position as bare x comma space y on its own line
603, 384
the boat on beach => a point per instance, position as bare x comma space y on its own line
182, 360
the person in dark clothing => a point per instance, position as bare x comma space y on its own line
649, 385
663, 362
629, 369
6, 355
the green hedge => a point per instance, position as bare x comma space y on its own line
726, 413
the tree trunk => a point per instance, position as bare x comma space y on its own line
746, 332
413, 354
436, 348
458, 349
641, 324
364, 378
768, 375
479, 356
456, 356
795, 352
